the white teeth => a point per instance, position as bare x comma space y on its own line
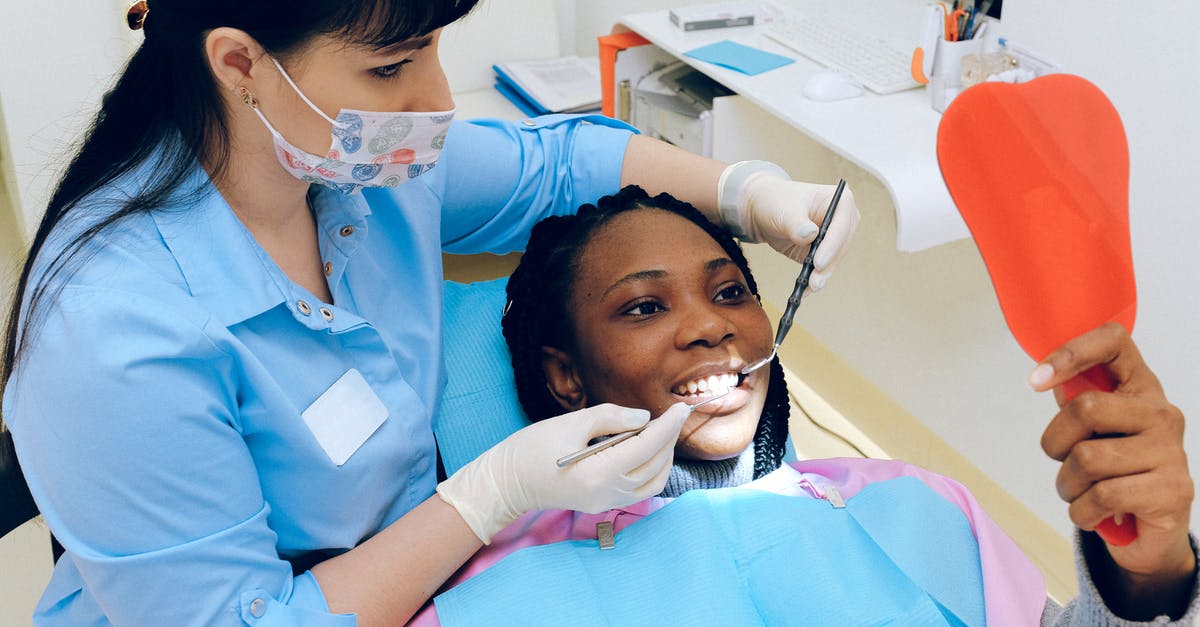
712, 384
715, 385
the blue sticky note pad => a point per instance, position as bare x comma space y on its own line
735, 56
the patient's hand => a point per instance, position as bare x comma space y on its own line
1137, 467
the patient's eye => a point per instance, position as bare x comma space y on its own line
644, 308
733, 291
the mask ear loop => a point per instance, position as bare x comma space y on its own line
308, 102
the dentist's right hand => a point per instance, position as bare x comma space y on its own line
520, 474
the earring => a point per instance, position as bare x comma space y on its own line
247, 97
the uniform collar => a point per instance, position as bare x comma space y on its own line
224, 267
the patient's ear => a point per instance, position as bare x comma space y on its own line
562, 380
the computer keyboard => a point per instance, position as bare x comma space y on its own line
880, 65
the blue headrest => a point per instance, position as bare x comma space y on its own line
479, 406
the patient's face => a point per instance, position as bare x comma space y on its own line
658, 308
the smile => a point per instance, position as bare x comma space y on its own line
711, 385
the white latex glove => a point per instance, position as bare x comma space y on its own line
759, 202
519, 474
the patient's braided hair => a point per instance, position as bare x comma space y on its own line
538, 290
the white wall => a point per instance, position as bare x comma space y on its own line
497, 31
596, 17
58, 57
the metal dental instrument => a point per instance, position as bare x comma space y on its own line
563, 462
793, 302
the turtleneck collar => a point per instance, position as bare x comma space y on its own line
695, 474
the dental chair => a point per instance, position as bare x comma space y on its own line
17, 503
14, 494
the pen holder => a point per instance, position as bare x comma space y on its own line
947, 81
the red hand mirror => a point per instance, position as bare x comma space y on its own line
1040, 173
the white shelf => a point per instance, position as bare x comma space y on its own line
892, 137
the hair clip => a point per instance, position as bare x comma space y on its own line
507, 306
135, 17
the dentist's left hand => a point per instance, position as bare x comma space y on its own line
520, 474
759, 202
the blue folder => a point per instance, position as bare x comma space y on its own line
519, 97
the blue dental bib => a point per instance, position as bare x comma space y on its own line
898, 553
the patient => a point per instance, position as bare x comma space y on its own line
647, 309
642, 302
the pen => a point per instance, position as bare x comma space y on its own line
969, 28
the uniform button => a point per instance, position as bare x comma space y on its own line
328, 268
325, 313
258, 607
347, 231
303, 307
529, 123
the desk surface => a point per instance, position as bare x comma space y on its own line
892, 137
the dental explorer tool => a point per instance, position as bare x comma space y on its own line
563, 462
793, 302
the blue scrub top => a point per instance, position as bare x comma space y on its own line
157, 414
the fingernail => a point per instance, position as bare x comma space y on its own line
808, 231
1041, 376
817, 283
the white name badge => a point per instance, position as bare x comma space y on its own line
345, 416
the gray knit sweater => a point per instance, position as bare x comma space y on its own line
1088, 608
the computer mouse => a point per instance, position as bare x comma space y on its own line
829, 84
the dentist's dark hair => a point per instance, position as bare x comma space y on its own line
539, 289
164, 115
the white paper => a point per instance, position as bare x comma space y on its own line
564, 84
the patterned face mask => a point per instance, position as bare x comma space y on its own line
369, 148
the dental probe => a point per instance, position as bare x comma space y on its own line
563, 462
793, 302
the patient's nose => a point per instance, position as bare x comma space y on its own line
704, 326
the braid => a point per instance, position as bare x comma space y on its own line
539, 289
534, 311
770, 439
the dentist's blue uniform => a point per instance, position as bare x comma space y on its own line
162, 415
